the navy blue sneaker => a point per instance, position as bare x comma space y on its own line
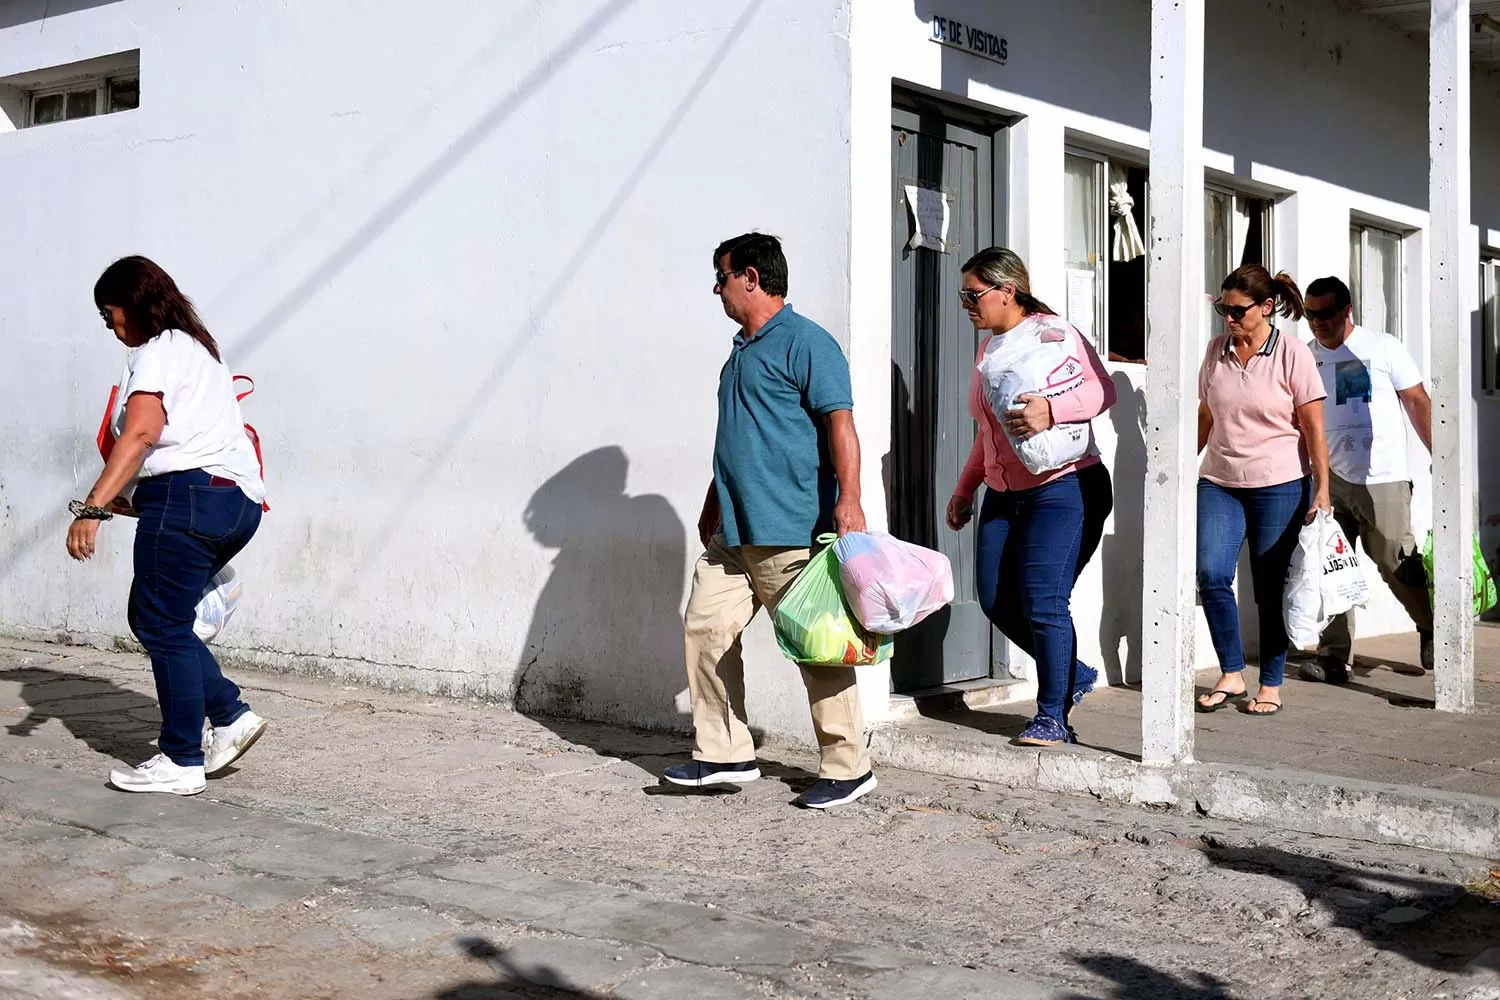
698, 773
1087, 678
1045, 731
827, 792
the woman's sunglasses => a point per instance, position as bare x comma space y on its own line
1235, 313
971, 297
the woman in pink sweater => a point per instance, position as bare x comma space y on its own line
1036, 531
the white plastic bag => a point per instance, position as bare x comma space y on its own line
1037, 357
1325, 579
890, 584
217, 604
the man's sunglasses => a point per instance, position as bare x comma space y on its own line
721, 279
1323, 315
1235, 313
971, 297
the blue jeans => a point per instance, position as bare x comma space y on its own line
188, 531
1269, 517
1031, 546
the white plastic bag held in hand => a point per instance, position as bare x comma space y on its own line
1325, 580
890, 584
217, 605
1038, 357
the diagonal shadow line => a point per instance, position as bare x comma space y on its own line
361, 239
546, 301
383, 151
26, 540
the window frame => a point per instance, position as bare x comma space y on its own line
1104, 221
1489, 322
102, 85
1396, 318
1101, 163
1237, 198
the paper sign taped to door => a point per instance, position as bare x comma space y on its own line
929, 218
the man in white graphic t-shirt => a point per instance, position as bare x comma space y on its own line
1374, 388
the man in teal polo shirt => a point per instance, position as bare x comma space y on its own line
786, 469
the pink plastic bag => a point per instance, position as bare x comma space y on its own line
890, 584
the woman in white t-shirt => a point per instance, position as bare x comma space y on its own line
183, 464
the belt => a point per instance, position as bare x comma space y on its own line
221, 481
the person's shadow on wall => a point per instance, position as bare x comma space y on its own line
1121, 551
605, 641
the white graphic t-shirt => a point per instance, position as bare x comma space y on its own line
1364, 420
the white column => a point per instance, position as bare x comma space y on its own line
1453, 483
1174, 315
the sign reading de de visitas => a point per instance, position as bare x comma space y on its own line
946, 31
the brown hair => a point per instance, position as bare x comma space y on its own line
1002, 266
152, 301
1256, 282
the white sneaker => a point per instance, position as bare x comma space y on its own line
159, 774
230, 742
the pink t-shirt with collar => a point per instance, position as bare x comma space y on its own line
993, 460
1256, 440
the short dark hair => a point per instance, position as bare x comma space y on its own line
760, 251
1331, 286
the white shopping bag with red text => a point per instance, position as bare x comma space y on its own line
1325, 579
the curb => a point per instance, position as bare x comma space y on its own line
1302, 801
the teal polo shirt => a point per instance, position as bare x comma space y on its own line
772, 467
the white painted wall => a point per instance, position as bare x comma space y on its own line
466, 251
466, 255
1324, 108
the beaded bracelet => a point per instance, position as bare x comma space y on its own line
84, 512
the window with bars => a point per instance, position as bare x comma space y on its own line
1375, 277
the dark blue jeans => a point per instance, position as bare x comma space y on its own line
1032, 544
1269, 518
188, 531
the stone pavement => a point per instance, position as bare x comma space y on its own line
378, 844
1402, 772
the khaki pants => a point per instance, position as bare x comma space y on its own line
729, 586
1379, 515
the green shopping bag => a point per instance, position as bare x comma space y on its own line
1484, 584
813, 624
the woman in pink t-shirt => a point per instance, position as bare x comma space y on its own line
1036, 531
1260, 432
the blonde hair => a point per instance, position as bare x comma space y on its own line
1000, 266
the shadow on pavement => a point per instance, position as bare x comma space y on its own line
1004, 724
537, 982
1432, 922
1134, 980
112, 720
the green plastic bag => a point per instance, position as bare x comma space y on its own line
814, 626
1484, 584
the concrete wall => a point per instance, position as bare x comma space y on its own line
1324, 110
465, 248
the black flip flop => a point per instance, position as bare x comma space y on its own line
1257, 701
1228, 697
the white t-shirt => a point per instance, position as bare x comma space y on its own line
1364, 420
204, 428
